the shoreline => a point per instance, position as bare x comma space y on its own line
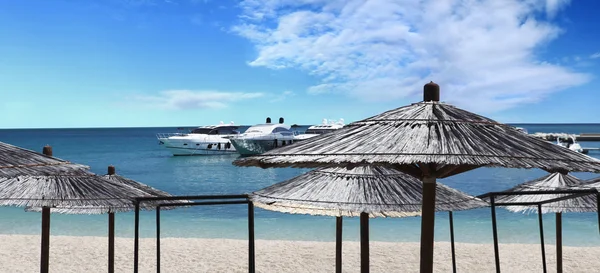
20, 253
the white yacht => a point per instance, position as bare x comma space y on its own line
325, 127
205, 140
263, 137
570, 143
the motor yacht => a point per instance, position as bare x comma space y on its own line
263, 137
205, 140
325, 127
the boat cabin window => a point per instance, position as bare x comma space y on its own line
280, 129
318, 131
226, 130
204, 131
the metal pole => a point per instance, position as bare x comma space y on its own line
541, 220
158, 239
427, 224
364, 242
136, 243
559, 262
111, 242
45, 253
598, 209
452, 241
495, 233
338, 244
251, 253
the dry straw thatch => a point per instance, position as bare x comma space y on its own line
553, 181
90, 194
378, 191
15, 161
426, 132
428, 140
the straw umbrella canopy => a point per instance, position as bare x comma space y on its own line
553, 181
544, 203
15, 161
374, 190
365, 191
75, 192
428, 140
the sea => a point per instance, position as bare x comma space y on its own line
136, 154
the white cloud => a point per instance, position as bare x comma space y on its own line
284, 95
187, 99
554, 6
482, 53
595, 55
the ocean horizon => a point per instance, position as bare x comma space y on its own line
136, 154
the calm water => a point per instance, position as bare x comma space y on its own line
136, 154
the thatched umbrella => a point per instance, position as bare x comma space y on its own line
15, 161
428, 140
74, 193
365, 191
544, 203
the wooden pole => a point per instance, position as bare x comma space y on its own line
338, 244
251, 252
111, 242
45, 244
364, 242
543, 245
136, 239
158, 239
451, 219
111, 233
559, 262
47, 150
427, 224
495, 234
45, 254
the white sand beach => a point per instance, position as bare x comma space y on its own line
20, 253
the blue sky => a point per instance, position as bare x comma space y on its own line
119, 63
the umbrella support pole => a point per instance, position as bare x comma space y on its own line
45, 253
427, 225
338, 244
495, 233
111, 242
559, 262
541, 221
364, 242
158, 239
251, 254
451, 219
598, 206
136, 239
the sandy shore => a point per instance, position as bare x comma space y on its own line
20, 253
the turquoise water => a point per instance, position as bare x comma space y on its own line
136, 154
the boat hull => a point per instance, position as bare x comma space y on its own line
178, 147
187, 151
248, 147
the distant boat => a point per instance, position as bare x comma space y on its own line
325, 127
522, 130
263, 137
571, 144
205, 140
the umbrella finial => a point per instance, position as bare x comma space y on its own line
47, 150
111, 170
431, 92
